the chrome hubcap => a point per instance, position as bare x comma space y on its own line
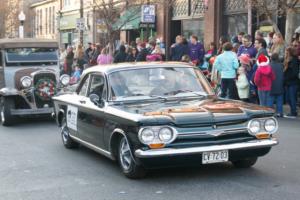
125, 156
65, 132
2, 114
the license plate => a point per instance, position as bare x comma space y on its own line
214, 156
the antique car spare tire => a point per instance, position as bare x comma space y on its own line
65, 135
245, 163
127, 163
7, 119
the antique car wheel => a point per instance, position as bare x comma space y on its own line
245, 163
127, 163
6, 118
65, 135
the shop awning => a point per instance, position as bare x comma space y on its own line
129, 20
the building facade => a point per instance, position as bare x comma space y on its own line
45, 19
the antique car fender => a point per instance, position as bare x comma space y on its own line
113, 143
9, 92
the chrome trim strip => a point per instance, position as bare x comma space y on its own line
210, 133
93, 147
172, 152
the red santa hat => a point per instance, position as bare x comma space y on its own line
262, 60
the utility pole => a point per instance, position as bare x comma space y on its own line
81, 17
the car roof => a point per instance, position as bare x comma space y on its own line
27, 42
106, 69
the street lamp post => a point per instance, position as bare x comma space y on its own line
22, 18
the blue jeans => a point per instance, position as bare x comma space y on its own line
279, 102
291, 98
263, 97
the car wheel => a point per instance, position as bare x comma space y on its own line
65, 135
127, 163
245, 163
7, 119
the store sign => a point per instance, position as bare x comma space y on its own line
68, 22
148, 14
147, 25
101, 26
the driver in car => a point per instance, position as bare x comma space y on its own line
118, 86
167, 86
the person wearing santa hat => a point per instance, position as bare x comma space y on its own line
263, 79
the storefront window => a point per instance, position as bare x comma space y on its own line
193, 27
235, 24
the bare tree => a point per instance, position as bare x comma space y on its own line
110, 12
11, 18
280, 7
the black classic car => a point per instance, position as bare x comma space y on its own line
153, 115
29, 77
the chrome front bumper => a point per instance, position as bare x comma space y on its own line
38, 111
192, 150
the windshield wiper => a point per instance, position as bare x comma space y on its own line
201, 94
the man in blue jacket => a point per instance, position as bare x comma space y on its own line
227, 64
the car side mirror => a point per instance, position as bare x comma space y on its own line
96, 100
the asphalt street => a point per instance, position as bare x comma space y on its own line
34, 165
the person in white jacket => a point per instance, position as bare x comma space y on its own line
242, 85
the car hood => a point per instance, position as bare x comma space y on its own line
197, 112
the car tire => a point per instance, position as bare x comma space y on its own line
127, 163
7, 119
68, 142
245, 163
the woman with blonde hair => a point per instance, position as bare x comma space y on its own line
278, 46
104, 57
291, 71
79, 56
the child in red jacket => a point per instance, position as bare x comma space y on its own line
263, 78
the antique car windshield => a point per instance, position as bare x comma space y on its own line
149, 83
31, 56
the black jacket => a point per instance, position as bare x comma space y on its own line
130, 58
291, 74
120, 57
142, 55
277, 84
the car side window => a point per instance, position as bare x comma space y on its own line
97, 85
84, 86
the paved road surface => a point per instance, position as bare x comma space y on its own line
34, 165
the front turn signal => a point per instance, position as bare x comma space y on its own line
263, 136
157, 146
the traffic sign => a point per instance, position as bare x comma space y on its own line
80, 24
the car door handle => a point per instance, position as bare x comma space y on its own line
82, 101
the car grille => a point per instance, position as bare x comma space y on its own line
212, 137
45, 85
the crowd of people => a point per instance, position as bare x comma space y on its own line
255, 71
259, 72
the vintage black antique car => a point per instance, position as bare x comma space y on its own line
29, 77
152, 115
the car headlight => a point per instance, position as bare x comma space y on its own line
26, 81
271, 125
157, 135
165, 134
254, 127
147, 136
65, 79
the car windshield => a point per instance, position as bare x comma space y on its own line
149, 83
31, 56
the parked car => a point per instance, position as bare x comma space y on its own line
29, 77
152, 115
